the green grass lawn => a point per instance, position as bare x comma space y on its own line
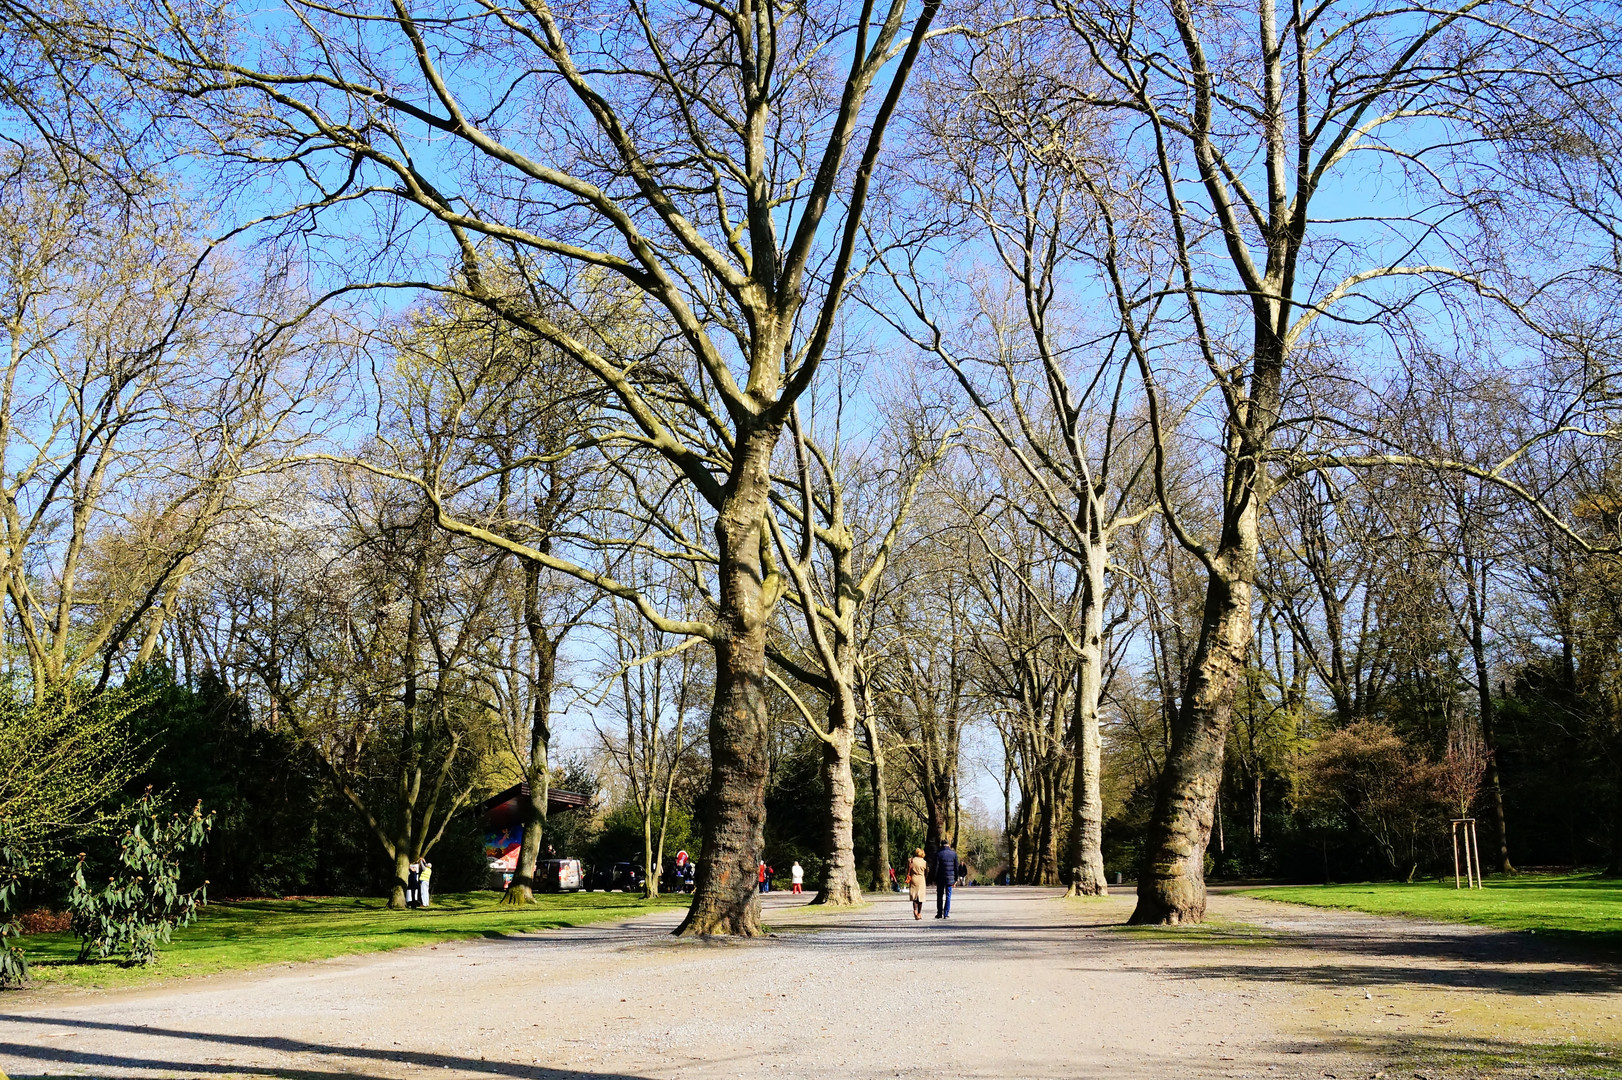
1584, 907
242, 934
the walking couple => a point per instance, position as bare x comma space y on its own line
946, 873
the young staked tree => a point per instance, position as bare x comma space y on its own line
709, 162
1249, 121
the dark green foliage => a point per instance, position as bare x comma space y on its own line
13, 966
263, 787
459, 861
797, 808
142, 902
1562, 771
572, 835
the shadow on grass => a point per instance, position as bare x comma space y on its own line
346, 1062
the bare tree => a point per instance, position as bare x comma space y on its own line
836, 561
711, 163
138, 389
1268, 110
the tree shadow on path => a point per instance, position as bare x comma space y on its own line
401, 1060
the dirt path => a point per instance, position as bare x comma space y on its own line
1020, 983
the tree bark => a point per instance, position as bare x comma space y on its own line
881, 798
1495, 787
839, 885
725, 900
1171, 882
537, 772
1256, 808
402, 874
1086, 854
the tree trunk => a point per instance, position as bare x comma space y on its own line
881, 802
650, 864
934, 827
1171, 882
1086, 856
1495, 788
1047, 841
537, 772
839, 885
402, 874
1256, 808
725, 900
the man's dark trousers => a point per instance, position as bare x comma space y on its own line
943, 898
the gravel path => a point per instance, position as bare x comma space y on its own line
1019, 983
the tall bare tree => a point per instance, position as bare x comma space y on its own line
710, 163
1243, 119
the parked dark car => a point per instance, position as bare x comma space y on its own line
608, 877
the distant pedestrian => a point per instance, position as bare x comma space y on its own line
945, 875
917, 870
423, 875
962, 873
797, 875
762, 877
413, 884
895, 886
770, 873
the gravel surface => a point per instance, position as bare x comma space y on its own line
1019, 983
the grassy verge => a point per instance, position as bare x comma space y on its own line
1580, 907
243, 934
1487, 1059
1210, 931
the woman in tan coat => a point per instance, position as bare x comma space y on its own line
917, 868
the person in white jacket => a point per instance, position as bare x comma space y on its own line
797, 875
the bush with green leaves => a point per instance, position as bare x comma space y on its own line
13, 966
142, 903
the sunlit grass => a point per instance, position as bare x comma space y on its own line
1585, 907
243, 934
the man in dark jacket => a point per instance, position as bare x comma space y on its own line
945, 875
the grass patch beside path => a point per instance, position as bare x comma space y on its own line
1577, 907
233, 935
1210, 931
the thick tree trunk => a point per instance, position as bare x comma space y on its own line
934, 827
537, 772
1086, 855
725, 900
402, 874
1171, 882
839, 885
1047, 841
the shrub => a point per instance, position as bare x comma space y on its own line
1368, 773
13, 967
142, 903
